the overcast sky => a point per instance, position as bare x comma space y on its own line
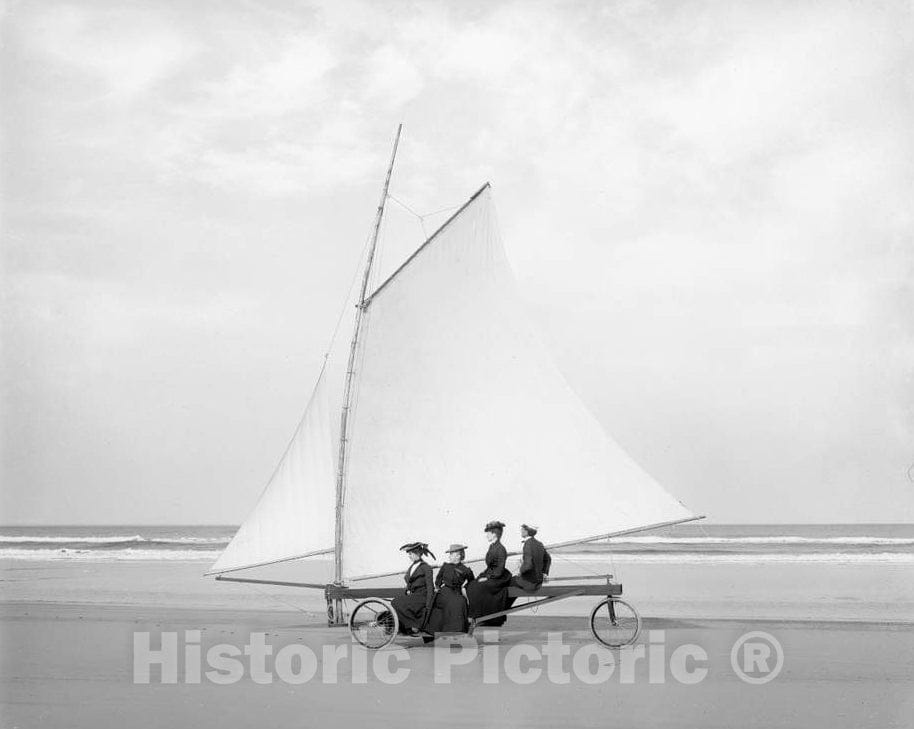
707, 205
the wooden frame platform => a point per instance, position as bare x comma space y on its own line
552, 590
612, 630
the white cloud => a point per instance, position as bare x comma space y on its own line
483, 54
126, 50
270, 79
392, 78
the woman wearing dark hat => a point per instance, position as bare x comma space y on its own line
489, 592
536, 561
414, 605
449, 613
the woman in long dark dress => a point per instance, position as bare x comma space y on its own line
488, 593
415, 604
449, 613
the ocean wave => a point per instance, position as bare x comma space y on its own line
92, 542
862, 540
757, 558
135, 554
189, 555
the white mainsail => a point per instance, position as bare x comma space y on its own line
461, 416
458, 416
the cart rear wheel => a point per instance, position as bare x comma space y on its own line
615, 623
374, 623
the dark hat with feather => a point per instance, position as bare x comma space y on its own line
421, 548
494, 526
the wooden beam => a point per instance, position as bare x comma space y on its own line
605, 589
269, 582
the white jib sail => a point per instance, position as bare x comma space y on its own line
294, 516
460, 416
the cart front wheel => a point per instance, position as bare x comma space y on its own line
615, 623
374, 623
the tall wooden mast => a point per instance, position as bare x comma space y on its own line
350, 372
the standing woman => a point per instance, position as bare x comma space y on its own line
489, 592
414, 605
449, 613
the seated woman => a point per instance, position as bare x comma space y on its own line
488, 593
449, 613
414, 605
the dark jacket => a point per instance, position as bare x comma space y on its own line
536, 561
454, 576
495, 562
421, 582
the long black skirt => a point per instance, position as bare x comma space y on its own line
449, 612
489, 597
411, 610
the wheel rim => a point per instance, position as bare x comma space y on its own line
615, 623
373, 623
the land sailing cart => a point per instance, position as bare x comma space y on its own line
613, 622
442, 410
374, 624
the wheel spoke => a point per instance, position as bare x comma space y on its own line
373, 624
611, 612
618, 626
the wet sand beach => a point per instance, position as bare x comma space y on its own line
70, 665
68, 660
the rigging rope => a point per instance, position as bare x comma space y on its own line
355, 275
581, 565
403, 204
266, 594
420, 216
408, 209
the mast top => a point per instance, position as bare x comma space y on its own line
445, 224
